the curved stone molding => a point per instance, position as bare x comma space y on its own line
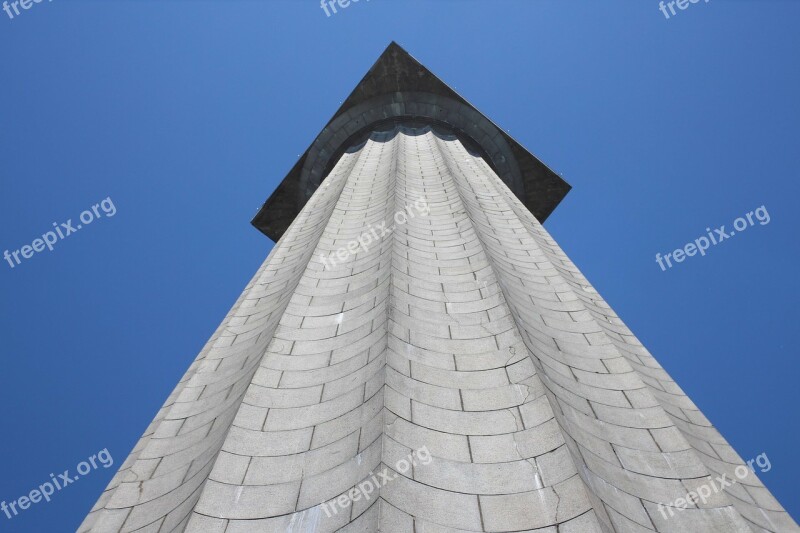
405, 107
398, 88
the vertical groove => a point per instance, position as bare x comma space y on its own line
621, 464
415, 305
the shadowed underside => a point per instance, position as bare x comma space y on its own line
462, 329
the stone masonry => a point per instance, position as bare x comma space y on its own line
462, 329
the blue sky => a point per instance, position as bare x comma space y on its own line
188, 114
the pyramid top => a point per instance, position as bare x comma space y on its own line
397, 89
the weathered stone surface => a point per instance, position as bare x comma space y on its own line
418, 355
398, 88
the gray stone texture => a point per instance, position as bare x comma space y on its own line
466, 331
398, 88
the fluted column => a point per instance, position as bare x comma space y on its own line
416, 305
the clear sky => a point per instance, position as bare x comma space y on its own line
187, 114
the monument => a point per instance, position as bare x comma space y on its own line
417, 354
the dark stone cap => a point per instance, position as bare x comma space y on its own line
398, 89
